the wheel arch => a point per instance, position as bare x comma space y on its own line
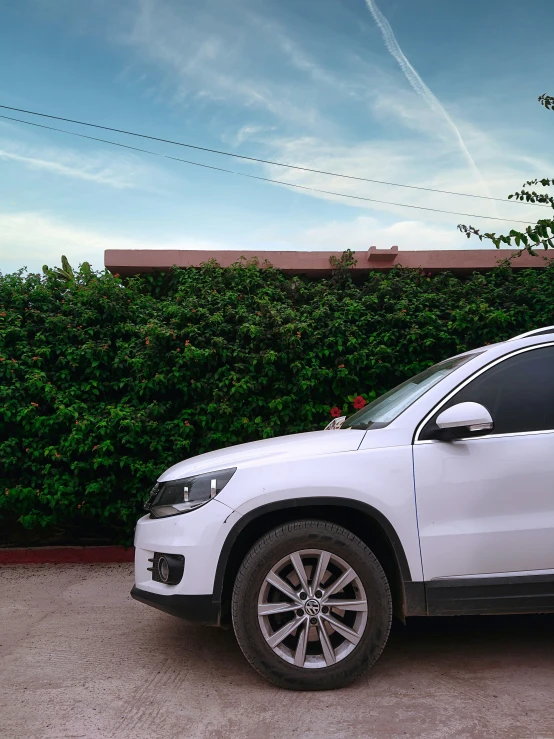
363, 520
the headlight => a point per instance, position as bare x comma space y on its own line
180, 496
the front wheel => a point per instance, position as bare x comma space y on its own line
311, 606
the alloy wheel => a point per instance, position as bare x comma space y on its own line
312, 608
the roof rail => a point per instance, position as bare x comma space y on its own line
534, 332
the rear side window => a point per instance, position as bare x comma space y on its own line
518, 393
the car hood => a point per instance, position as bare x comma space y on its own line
314, 443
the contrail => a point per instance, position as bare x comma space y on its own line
417, 83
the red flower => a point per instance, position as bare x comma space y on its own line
359, 402
335, 411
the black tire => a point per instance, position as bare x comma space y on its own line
270, 549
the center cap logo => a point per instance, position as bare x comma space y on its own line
312, 607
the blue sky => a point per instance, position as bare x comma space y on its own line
316, 83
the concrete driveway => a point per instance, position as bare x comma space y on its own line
80, 660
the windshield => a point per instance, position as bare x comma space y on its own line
389, 406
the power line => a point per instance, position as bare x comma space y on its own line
267, 161
257, 177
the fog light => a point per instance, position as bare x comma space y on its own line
167, 568
163, 569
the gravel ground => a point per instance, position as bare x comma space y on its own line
79, 659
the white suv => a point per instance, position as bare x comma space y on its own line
435, 499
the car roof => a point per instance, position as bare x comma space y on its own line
535, 332
546, 331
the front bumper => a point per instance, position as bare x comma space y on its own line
194, 608
197, 536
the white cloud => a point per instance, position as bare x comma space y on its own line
200, 63
313, 115
364, 231
121, 172
248, 132
410, 163
304, 98
32, 239
417, 83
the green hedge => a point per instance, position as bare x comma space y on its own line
106, 382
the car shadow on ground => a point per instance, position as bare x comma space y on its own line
475, 636
474, 627
474, 643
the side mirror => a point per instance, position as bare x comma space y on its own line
463, 419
